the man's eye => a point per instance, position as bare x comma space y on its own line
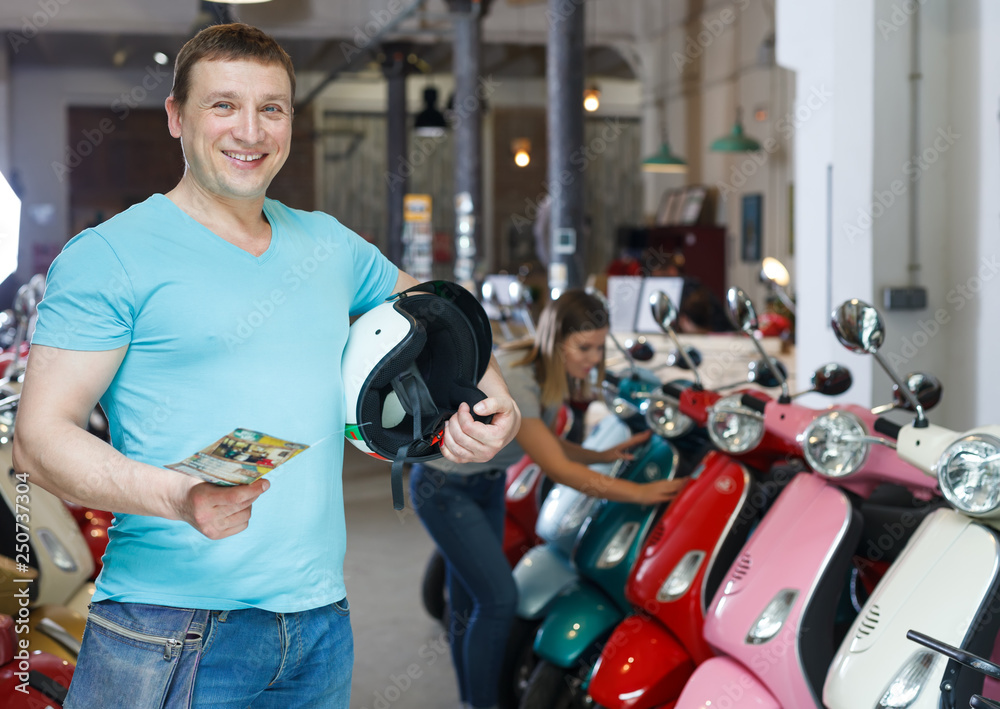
223, 105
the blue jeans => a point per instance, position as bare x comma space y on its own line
138, 656
464, 514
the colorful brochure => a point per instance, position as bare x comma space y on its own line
239, 458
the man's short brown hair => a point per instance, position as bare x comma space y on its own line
227, 43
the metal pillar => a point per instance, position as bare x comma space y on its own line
395, 66
467, 118
564, 76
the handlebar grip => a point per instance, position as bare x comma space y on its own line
752, 402
674, 389
887, 428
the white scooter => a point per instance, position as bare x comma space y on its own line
946, 580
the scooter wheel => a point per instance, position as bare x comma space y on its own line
519, 661
552, 687
433, 588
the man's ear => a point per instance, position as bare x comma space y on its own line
173, 116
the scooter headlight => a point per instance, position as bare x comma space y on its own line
905, 687
774, 616
681, 578
734, 427
834, 444
619, 545
664, 416
969, 474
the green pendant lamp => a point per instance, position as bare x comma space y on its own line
737, 141
664, 160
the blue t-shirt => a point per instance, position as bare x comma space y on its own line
220, 339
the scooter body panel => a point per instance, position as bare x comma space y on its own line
723, 682
697, 521
565, 509
790, 550
935, 586
624, 525
540, 576
642, 666
582, 616
545, 570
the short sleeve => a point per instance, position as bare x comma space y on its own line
88, 302
375, 275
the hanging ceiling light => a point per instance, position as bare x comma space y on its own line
664, 161
521, 148
592, 99
430, 122
736, 141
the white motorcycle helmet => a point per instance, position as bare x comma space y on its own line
407, 366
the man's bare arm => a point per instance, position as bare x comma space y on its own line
51, 444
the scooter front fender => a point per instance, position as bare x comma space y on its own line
540, 576
723, 682
642, 666
580, 618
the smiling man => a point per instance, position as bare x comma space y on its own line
182, 305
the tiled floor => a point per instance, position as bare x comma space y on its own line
401, 654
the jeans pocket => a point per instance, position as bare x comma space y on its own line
342, 607
137, 656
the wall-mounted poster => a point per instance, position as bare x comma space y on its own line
751, 236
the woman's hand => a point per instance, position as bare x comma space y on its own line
660, 491
621, 451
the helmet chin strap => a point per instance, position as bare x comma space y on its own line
413, 397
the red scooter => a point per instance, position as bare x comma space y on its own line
35, 680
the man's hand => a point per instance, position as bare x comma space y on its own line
469, 441
220, 511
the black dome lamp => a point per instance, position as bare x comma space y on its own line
430, 122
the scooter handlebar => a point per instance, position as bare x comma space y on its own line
752, 402
957, 654
887, 428
674, 389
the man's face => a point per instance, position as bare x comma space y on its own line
236, 126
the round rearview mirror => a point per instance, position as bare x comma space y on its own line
741, 310
926, 387
760, 372
676, 359
773, 271
832, 379
664, 310
858, 326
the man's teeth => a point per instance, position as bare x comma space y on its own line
245, 158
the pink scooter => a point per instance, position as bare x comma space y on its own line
773, 621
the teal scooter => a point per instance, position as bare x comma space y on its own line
575, 527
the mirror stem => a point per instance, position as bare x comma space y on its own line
625, 353
685, 356
921, 421
785, 398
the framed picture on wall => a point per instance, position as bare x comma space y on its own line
694, 200
665, 210
751, 223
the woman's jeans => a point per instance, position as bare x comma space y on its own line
138, 656
464, 514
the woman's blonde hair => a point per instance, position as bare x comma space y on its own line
574, 311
